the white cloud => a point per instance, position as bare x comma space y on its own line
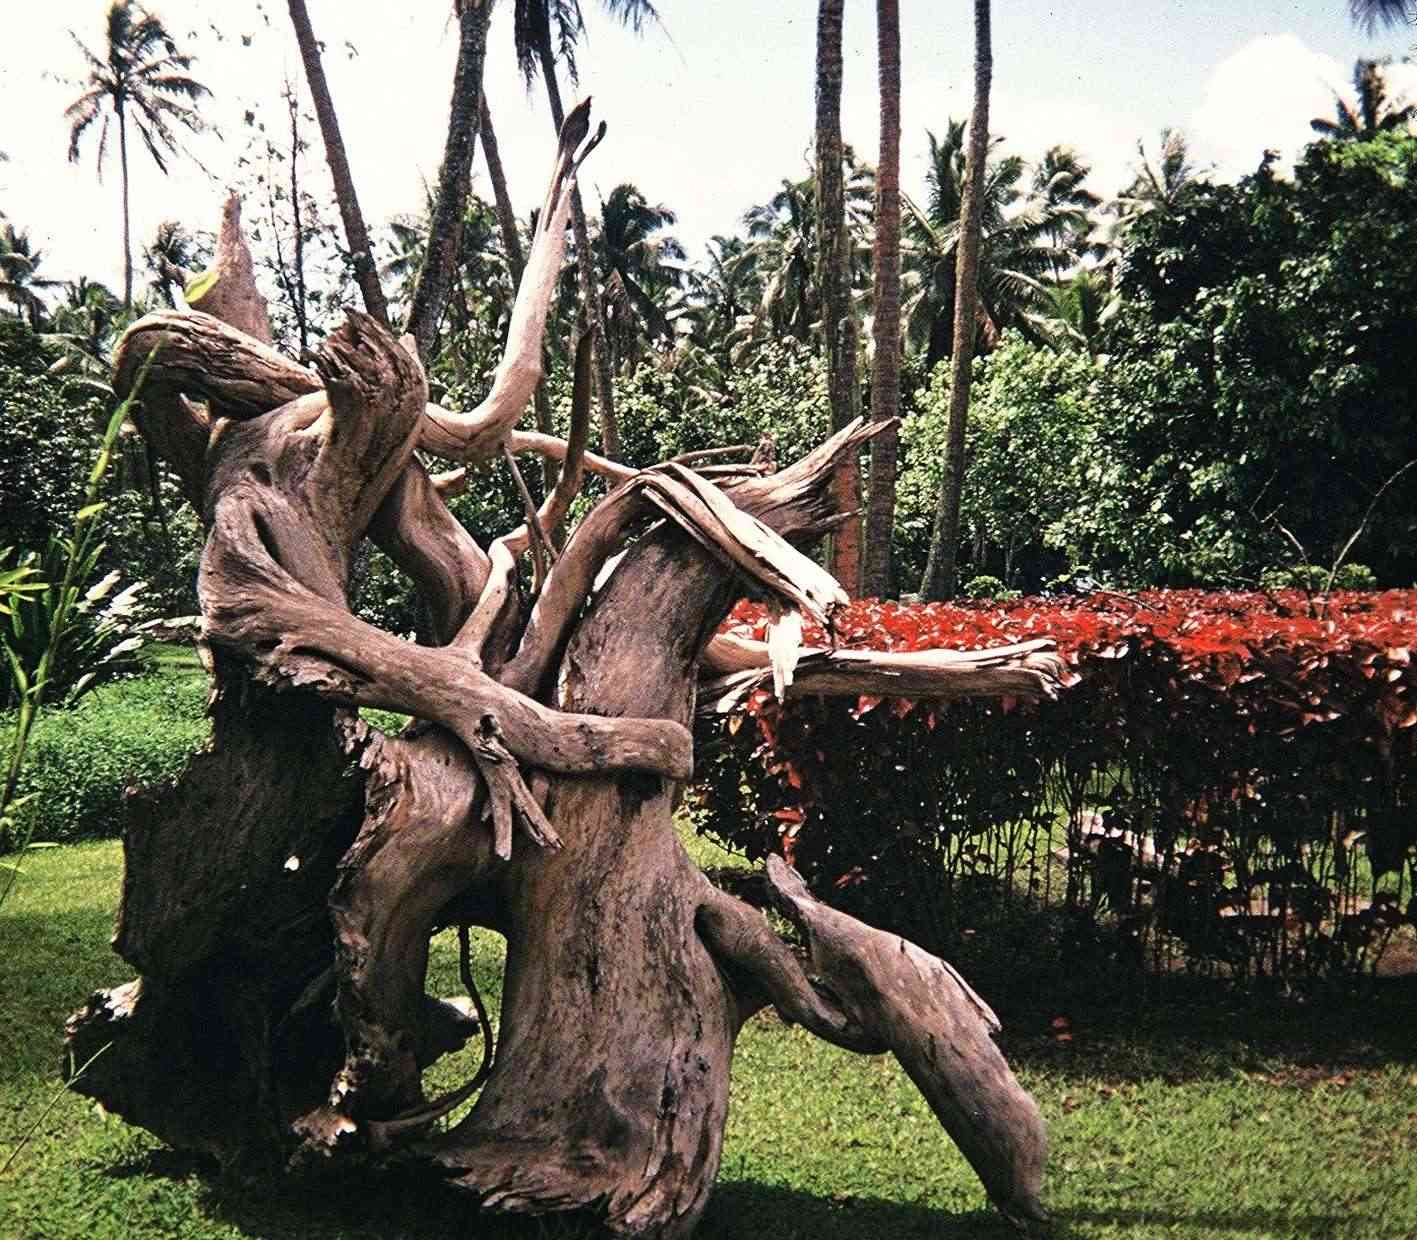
1263, 97
708, 124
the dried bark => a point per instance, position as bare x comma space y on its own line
279, 898
511, 244
227, 289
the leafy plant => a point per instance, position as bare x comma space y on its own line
986, 587
1316, 577
91, 641
16, 584
63, 600
82, 761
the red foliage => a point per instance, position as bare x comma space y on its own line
1288, 668
1249, 732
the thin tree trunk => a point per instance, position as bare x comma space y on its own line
590, 285
885, 375
361, 253
940, 580
507, 221
445, 231
833, 278
302, 321
127, 241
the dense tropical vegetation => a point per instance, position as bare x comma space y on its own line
1122, 348
1194, 382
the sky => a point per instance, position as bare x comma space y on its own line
707, 113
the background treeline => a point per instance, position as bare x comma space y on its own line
1184, 386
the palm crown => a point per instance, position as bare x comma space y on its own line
140, 76
1371, 112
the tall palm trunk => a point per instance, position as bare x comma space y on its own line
127, 238
885, 374
833, 278
440, 259
355, 233
940, 580
507, 222
585, 265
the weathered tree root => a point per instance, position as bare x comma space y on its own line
940, 1030
279, 899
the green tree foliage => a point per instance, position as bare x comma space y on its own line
1255, 373
49, 439
1031, 414
781, 392
1265, 353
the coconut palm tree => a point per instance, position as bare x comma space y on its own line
834, 248
1164, 184
641, 266
20, 281
723, 292
1068, 207
533, 22
1370, 114
782, 250
939, 580
83, 329
173, 252
142, 77
840, 335
1075, 311
885, 263
1370, 14
478, 301
346, 197
1017, 252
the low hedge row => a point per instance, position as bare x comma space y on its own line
1232, 781
81, 761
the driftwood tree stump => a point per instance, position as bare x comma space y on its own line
279, 898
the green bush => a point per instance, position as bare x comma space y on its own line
986, 587
1316, 577
81, 761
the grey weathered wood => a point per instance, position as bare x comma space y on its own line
280, 897
941, 1031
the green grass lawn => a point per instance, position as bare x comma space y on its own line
1238, 1121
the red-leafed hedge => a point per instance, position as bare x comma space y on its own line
1232, 779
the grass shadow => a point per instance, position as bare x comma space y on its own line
744, 1208
1195, 1029
399, 1203
402, 1203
